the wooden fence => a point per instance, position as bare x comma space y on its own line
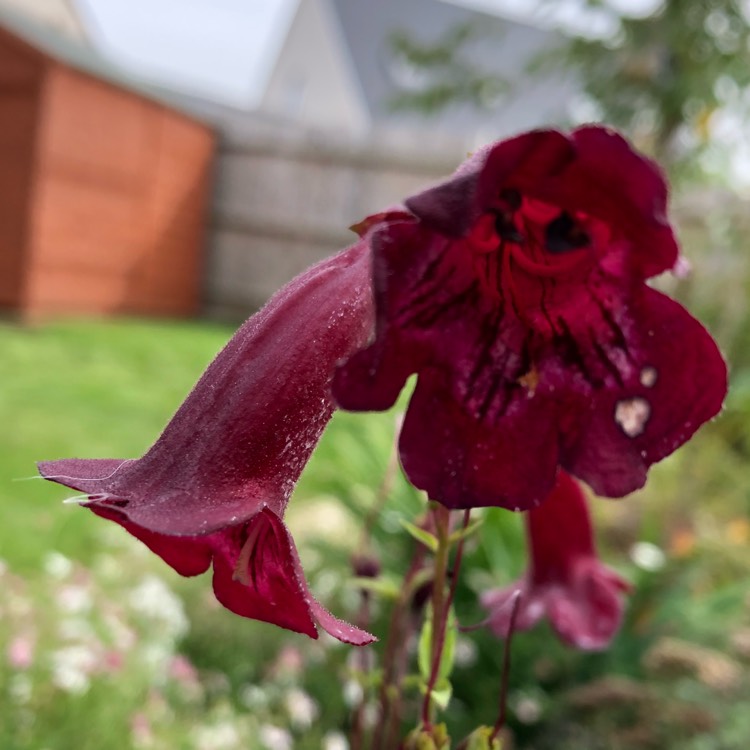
284, 199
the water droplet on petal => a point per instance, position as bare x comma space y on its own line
632, 414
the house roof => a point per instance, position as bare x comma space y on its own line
81, 55
503, 47
62, 15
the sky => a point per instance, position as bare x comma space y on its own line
223, 49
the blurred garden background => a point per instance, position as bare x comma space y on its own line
101, 644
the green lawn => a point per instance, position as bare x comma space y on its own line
83, 389
106, 389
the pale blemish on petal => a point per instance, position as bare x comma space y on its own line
632, 415
649, 376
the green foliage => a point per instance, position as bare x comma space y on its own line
674, 678
437, 75
441, 693
668, 71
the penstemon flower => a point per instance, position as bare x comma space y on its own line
565, 580
214, 487
516, 292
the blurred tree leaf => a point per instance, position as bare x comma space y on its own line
433, 76
662, 77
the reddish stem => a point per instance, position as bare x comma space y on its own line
503, 708
438, 633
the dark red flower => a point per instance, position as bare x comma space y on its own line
515, 290
565, 580
214, 487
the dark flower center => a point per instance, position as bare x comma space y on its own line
563, 234
522, 246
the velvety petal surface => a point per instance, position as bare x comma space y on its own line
241, 438
464, 462
214, 487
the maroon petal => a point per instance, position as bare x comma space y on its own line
499, 603
453, 206
678, 384
189, 556
630, 195
465, 462
590, 614
257, 572
372, 379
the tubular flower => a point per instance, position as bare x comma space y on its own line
214, 487
565, 580
515, 290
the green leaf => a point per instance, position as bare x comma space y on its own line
472, 528
421, 535
479, 739
442, 691
441, 694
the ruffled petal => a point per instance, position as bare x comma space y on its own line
452, 207
631, 195
565, 580
499, 604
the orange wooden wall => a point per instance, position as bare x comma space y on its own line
20, 79
116, 213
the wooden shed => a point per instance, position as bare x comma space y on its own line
104, 189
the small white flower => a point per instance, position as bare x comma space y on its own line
223, 736
335, 741
648, 556
19, 688
74, 599
528, 710
253, 697
71, 668
275, 738
152, 598
302, 709
353, 693
57, 566
466, 652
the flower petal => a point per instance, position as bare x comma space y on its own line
465, 462
678, 384
262, 581
453, 206
267, 582
630, 194
589, 616
565, 580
